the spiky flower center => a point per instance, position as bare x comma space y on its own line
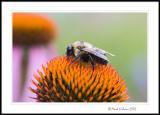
78, 82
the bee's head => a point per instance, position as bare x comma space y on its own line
70, 50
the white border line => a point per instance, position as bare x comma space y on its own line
149, 7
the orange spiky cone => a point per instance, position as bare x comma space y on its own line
78, 83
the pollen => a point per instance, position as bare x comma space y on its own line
61, 81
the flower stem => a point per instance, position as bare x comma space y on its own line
24, 66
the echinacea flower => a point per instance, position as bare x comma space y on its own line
32, 36
61, 82
32, 29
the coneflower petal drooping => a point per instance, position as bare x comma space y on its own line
62, 82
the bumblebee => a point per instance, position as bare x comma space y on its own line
86, 52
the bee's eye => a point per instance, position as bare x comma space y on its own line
69, 50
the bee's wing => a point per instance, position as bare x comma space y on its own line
110, 54
104, 52
101, 51
94, 52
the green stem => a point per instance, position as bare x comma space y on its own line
24, 65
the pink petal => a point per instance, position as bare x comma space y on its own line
37, 56
17, 57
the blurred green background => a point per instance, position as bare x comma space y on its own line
123, 34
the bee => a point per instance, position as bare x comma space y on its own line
86, 52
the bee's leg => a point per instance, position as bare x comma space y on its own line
74, 60
68, 57
92, 62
